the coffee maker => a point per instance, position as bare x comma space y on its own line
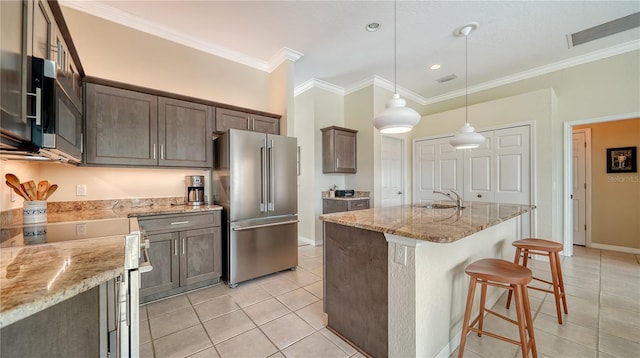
194, 187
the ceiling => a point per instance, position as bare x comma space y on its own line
328, 40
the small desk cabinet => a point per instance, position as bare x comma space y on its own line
337, 205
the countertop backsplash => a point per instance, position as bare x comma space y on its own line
14, 216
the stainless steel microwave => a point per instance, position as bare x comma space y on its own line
56, 127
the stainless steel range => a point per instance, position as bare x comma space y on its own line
119, 301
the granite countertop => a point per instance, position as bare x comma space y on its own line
119, 212
35, 277
435, 225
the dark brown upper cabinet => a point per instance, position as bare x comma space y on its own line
126, 127
232, 119
339, 150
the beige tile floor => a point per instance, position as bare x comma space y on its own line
280, 315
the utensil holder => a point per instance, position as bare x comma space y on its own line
34, 212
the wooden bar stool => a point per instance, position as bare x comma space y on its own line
507, 275
526, 247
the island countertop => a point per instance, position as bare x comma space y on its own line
428, 224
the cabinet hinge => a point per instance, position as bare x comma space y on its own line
585, 227
585, 185
585, 144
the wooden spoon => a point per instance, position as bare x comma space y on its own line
31, 189
50, 191
17, 190
14, 182
43, 186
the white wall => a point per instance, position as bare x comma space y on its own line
102, 183
115, 52
315, 109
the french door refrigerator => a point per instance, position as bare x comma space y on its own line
255, 177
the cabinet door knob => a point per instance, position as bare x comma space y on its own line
399, 193
479, 195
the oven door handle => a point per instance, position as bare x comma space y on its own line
146, 265
264, 225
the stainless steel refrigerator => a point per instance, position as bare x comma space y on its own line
255, 177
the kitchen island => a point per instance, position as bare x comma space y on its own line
394, 277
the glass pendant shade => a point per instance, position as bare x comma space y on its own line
467, 138
397, 117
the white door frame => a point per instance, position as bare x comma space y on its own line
587, 168
403, 166
568, 175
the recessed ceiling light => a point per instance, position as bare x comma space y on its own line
374, 26
435, 66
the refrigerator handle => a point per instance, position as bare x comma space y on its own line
272, 186
263, 177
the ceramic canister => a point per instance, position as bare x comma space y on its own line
34, 212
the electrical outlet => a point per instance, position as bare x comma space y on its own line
14, 196
81, 190
81, 230
400, 256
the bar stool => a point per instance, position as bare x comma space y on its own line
507, 275
533, 246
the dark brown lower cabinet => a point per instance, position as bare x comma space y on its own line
339, 205
69, 329
355, 284
182, 260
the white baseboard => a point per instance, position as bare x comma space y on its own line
628, 250
309, 241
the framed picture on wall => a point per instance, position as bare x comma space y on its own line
622, 160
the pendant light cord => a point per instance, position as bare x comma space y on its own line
395, 47
466, 78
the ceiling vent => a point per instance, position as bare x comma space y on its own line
447, 78
603, 30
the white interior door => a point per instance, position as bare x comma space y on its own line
579, 185
480, 165
392, 154
512, 160
437, 166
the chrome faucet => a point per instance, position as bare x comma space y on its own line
457, 200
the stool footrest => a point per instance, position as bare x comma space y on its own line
497, 336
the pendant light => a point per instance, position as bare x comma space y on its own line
466, 138
397, 117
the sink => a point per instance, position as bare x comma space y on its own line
441, 206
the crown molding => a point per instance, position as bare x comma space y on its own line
320, 84
389, 86
109, 13
284, 54
542, 70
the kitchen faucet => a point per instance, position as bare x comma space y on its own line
457, 200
